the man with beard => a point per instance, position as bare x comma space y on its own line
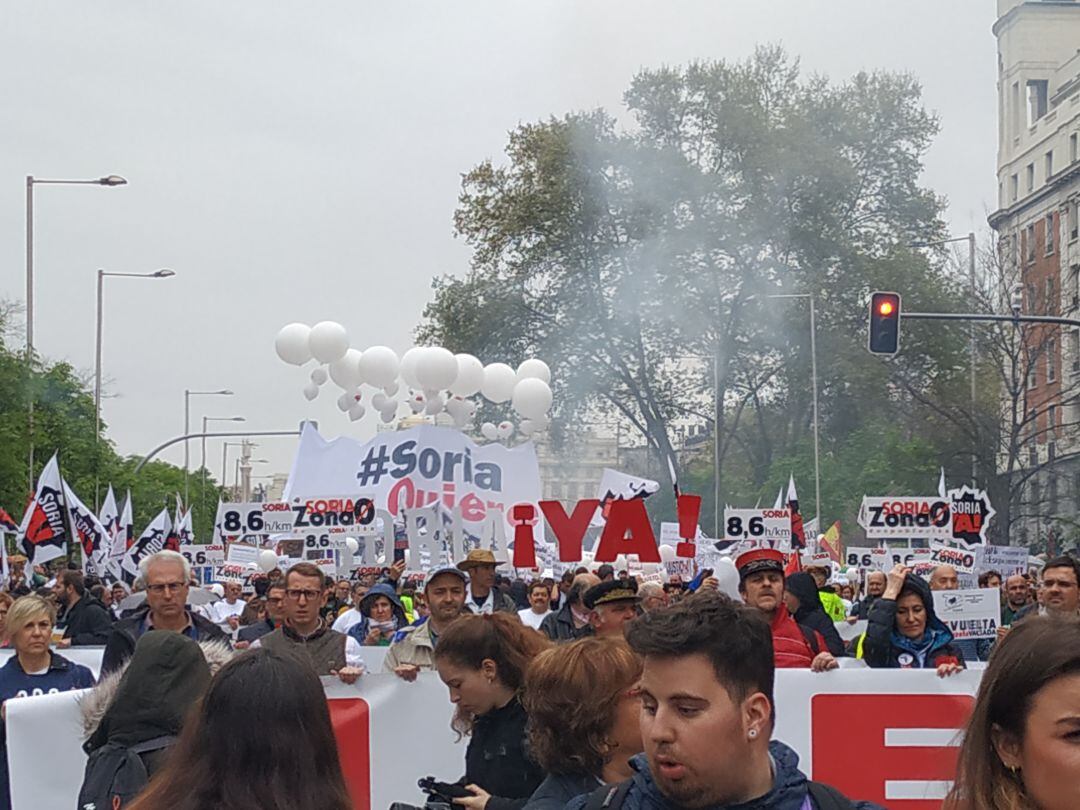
761, 584
707, 716
413, 648
86, 621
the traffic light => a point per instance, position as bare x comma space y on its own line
884, 323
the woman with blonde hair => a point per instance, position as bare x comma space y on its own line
1020, 749
584, 717
34, 669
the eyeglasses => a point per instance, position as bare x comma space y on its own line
275, 600
296, 593
161, 587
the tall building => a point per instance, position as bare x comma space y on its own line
1036, 222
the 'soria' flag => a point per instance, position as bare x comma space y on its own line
7, 522
43, 533
151, 541
798, 534
182, 530
617, 486
109, 518
88, 532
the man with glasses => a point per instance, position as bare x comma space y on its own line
305, 634
275, 614
165, 577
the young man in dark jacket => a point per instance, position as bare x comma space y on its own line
85, 620
707, 715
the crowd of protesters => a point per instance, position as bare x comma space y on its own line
580, 691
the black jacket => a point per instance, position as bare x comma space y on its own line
885, 648
168, 674
861, 609
253, 632
559, 626
811, 614
497, 761
126, 632
87, 622
557, 789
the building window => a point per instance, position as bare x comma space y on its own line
1049, 161
1051, 419
1051, 360
1073, 146
1036, 492
1014, 187
1031, 177
1037, 99
1029, 245
1052, 487
1032, 374
1049, 234
1074, 230
1015, 109
1074, 348
1051, 299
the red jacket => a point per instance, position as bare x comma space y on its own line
790, 649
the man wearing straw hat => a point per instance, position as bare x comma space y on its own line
483, 596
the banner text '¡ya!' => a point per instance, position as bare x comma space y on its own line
430, 463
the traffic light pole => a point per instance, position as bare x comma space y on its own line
975, 316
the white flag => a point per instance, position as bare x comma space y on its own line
151, 541
43, 533
88, 531
617, 486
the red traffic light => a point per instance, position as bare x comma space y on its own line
885, 308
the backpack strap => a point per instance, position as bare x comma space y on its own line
152, 745
811, 638
826, 797
608, 797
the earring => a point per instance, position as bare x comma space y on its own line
753, 734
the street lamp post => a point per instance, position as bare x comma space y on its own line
224, 457
814, 385
31, 181
970, 239
101, 274
188, 394
205, 420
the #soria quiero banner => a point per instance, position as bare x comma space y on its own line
418, 467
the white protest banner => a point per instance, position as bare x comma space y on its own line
867, 559
243, 554
339, 514
960, 559
909, 516
231, 572
329, 568
1006, 560
771, 527
972, 613
240, 519
418, 467
380, 716
920, 560
618, 486
199, 555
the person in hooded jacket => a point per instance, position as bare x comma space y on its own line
804, 604
382, 616
904, 632
149, 698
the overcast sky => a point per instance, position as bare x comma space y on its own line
301, 161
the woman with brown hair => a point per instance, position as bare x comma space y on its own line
1021, 749
482, 660
584, 717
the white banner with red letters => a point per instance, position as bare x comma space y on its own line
904, 742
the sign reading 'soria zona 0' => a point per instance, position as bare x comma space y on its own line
962, 516
412, 468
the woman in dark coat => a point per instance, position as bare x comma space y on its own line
804, 604
904, 632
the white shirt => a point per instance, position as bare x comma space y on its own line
531, 618
347, 619
220, 611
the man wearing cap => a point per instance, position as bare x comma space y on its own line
413, 648
761, 584
613, 604
483, 596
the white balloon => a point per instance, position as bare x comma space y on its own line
470, 376
499, 381
379, 366
667, 553
378, 400
345, 401
435, 404
391, 389
417, 402
436, 369
853, 575
534, 369
352, 545
727, 576
408, 365
318, 376
267, 560
460, 421
291, 343
356, 412
506, 430
345, 371
311, 390
470, 408
328, 341
489, 431
455, 406
388, 416
526, 427
532, 398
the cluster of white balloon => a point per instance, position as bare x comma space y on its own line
429, 379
